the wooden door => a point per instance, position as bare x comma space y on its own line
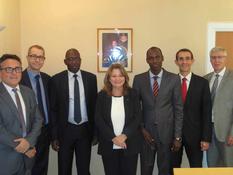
225, 39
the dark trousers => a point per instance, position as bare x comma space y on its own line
194, 154
42, 153
149, 152
120, 164
75, 139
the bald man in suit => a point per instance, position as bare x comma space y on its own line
20, 120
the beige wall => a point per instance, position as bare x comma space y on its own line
169, 24
10, 36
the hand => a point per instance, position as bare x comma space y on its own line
148, 138
94, 141
204, 145
55, 145
31, 152
176, 145
230, 141
23, 145
120, 141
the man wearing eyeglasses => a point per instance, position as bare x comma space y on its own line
33, 78
72, 102
220, 153
20, 119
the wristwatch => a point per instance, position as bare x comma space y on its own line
179, 139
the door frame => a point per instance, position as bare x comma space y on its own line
211, 38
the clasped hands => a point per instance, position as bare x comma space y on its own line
120, 141
24, 147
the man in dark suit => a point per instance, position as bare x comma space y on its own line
20, 119
72, 101
160, 94
36, 80
196, 134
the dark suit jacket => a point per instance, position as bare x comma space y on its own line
131, 127
166, 111
59, 101
45, 79
197, 111
10, 129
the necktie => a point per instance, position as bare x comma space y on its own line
77, 110
184, 89
20, 111
39, 97
214, 88
155, 86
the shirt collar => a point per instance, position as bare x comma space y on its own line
188, 77
32, 74
9, 88
71, 74
159, 74
221, 73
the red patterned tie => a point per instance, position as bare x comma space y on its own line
184, 89
155, 86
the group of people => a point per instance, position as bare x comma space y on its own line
161, 114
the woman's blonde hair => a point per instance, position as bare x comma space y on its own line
107, 84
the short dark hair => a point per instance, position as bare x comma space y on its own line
9, 56
184, 50
151, 50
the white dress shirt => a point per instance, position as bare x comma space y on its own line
82, 98
118, 116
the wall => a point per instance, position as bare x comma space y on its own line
170, 24
10, 36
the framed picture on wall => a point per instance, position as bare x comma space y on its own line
114, 45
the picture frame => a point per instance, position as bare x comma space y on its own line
114, 45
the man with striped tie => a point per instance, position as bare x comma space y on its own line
160, 94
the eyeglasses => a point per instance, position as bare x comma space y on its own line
36, 57
11, 69
217, 57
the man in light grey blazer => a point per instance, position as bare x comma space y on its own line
220, 152
20, 120
160, 94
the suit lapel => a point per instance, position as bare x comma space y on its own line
8, 100
65, 89
223, 81
26, 79
191, 89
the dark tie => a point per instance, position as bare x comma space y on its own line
20, 111
184, 89
214, 88
77, 110
155, 86
39, 97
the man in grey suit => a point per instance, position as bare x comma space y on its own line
220, 152
20, 120
160, 94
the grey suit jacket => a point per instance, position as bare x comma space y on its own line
10, 160
166, 110
223, 106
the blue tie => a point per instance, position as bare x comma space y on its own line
77, 110
39, 97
